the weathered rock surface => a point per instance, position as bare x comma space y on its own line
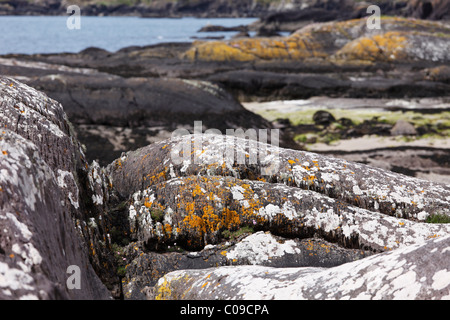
193, 204
415, 272
274, 13
398, 39
405, 58
112, 114
359, 185
145, 268
421, 162
202, 201
403, 128
41, 197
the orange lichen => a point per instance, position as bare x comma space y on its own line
147, 203
383, 47
295, 47
230, 219
197, 191
168, 228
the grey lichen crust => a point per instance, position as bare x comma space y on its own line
185, 203
191, 202
414, 272
40, 199
352, 204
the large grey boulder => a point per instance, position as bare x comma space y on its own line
144, 267
217, 156
41, 201
202, 201
416, 272
190, 204
112, 114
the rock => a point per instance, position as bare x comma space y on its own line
194, 205
440, 73
41, 200
145, 268
241, 35
264, 32
421, 162
250, 85
434, 9
154, 108
281, 13
420, 274
292, 20
403, 128
351, 197
208, 38
213, 28
323, 118
169, 207
397, 40
404, 59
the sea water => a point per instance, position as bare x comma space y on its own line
50, 34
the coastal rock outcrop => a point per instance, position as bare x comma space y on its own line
416, 272
144, 268
190, 207
399, 39
406, 58
274, 13
201, 202
41, 200
134, 112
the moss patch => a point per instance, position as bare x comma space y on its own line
233, 235
438, 218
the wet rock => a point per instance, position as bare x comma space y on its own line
425, 163
403, 128
323, 118
420, 274
213, 28
433, 9
398, 40
264, 32
131, 113
241, 35
41, 200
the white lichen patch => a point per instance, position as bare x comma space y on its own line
270, 211
399, 274
31, 257
261, 247
67, 182
12, 279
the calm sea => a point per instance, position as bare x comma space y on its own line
43, 34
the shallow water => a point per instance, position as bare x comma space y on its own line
49, 34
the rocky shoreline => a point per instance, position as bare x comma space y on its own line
285, 15
144, 215
354, 202
226, 74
